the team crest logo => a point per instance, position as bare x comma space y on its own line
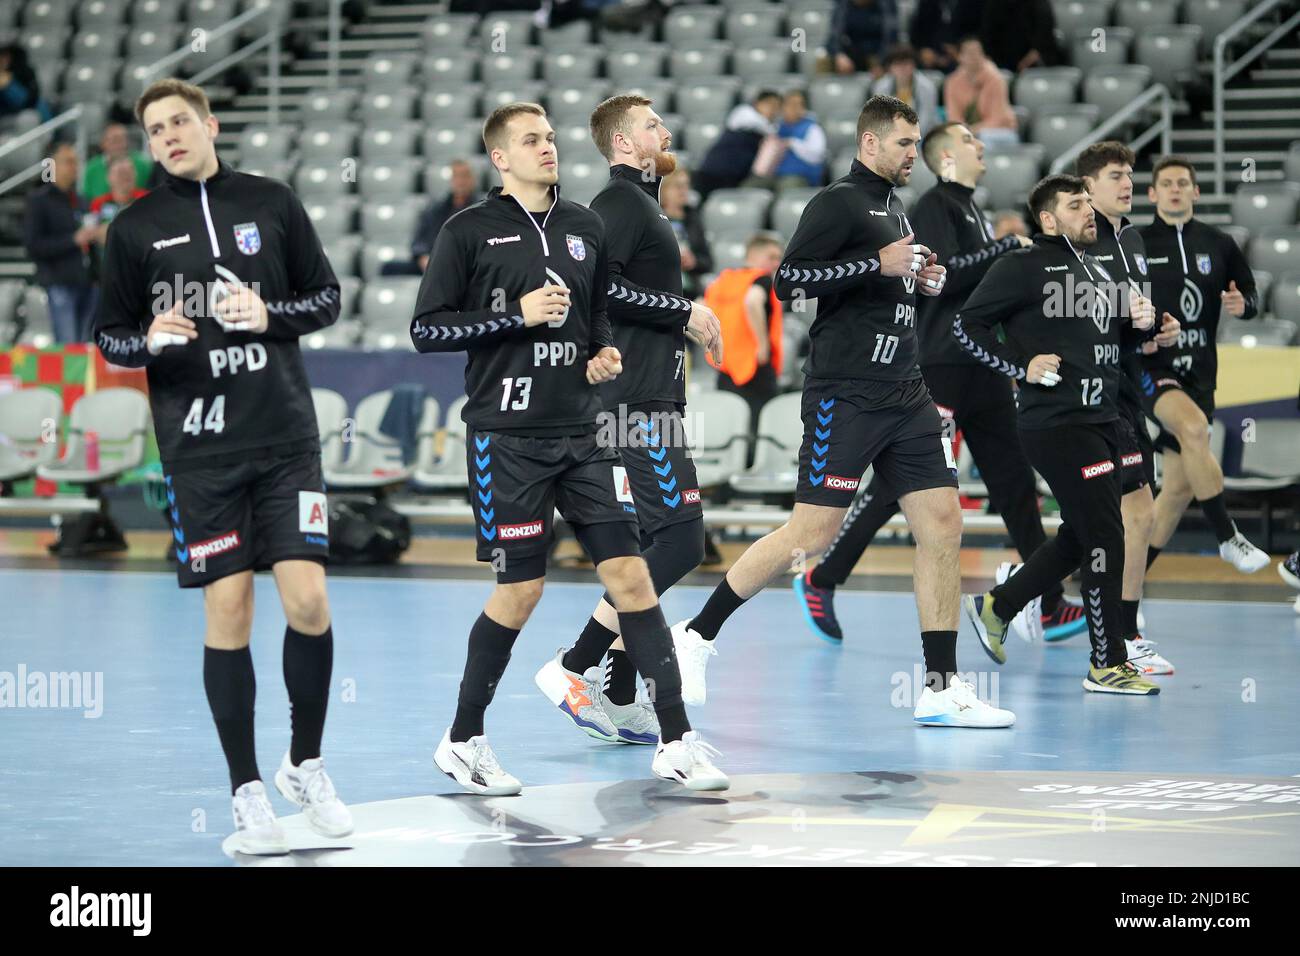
1141, 263
1104, 274
577, 248
247, 238
1203, 263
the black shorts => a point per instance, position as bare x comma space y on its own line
1155, 382
652, 444
248, 515
517, 482
1134, 455
849, 424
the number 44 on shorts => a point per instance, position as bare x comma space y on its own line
215, 421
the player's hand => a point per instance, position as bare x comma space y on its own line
1141, 310
1233, 300
932, 276
903, 258
604, 366
1044, 370
240, 309
1168, 334
704, 329
550, 303
170, 328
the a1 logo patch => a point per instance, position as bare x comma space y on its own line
622, 487
313, 513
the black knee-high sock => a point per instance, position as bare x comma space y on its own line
940, 650
722, 603
1129, 610
1152, 553
590, 647
1217, 512
620, 678
308, 664
490, 644
650, 646
232, 689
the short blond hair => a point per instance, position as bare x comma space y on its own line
494, 127
610, 117
161, 89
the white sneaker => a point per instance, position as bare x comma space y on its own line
693, 653
1242, 555
958, 707
1141, 619
474, 766
255, 823
309, 786
687, 761
577, 696
1028, 624
1004, 571
1142, 655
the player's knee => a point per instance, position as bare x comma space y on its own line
229, 620
629, 584
1139, 515
942, 525
522, 596
307, 609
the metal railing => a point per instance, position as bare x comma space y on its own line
336, 39
270, 39
1163, 127
35, 133
1225, 71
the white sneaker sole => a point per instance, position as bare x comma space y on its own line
451, 766
282, 784
1251, 568
1149, 671
956, 721
695, 783
251, 846
552, 681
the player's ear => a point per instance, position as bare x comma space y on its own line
1151, 193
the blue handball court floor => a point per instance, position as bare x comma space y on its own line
122, 765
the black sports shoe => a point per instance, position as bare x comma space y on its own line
1290, 569
818, 608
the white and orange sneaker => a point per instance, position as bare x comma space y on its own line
578, 697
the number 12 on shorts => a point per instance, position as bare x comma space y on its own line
215, 421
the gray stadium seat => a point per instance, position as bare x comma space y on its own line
152, 12
387, 142
658, 90
263, 145
388, 107
698, 60
841, 136
691, 24
328, 108
728, 252
388, 71
24, 445
1047, 86
383, 298
571, 36
788, 207
1110, 88
99, 13
373, 459
574, 145
323, 179
88, 80
342, 254
437, 176
210, 13
451, 106
282, 170
839, 97
392, 178
390, 221
330, 141
1240, 235
1213, 17
510, 32
40, 13
1060, 127
1010, 175
452, 142
46, 44
583, 179
1074, 15
332, 216
449, 470
1140, 15
155, 41
573, 104
331, 418
1110, 49
374, 256
1170, 52
1291, 164
1275, 249
922, 177
700, 136
1286, 297
1259, 205
776, 453
570, 67
708, 100
121, 418
34, 316
752, 60
449, 31
514, 67
1272, 460
451, 66
349, 294
753, 24
735, 211
633, 62
499, 94
720, 446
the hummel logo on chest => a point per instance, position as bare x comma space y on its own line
1056, 268
877, 213
497, 240
164, 243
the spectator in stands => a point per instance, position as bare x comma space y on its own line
1018, 34
19, 88
1009, 222
937, 29
697, 259
902, 80
750, 314
58, 237
113, 143
976, 94
464, 190
861, 32
122, 191
804, 162
731, 158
